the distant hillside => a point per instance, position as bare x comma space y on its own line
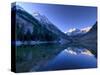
90, 39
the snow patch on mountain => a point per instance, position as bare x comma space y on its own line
86, 29
42, 18
74, 31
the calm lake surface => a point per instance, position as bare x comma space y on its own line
47, 57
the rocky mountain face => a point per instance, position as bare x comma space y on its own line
90, 38
29, 27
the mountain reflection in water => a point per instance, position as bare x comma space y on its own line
54, 57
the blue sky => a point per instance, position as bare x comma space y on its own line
64, 17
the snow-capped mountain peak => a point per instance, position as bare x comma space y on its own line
74, 31
86, 29
42, 18
36, 14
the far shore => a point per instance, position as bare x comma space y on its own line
19, 43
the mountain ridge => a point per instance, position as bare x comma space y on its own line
35, 30
75, 31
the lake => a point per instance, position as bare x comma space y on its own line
48, 57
